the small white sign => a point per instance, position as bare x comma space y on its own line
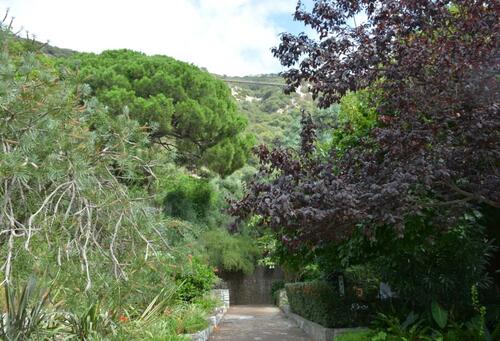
341, 285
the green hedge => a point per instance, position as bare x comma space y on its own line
276, 287
320, 302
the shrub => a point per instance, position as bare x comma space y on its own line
22, 319
189, 198
358, 335
361, 281
195, 279
320, 302
434, 274
230, 252
276, 288
207, 303
191, 320
416, 327
91, 324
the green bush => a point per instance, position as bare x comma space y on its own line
192, 320
207, 303
91, 324
320, 302
24, 312
188, 198
358, 335
416, 327
194, 279
434, 274
230, 252
276, 288
362, 281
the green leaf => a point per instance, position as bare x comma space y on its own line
439, 314
410, 319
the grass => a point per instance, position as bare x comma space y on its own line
358, 335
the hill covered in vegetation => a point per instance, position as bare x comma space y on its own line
272, 115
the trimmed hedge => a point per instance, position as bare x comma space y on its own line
276, 287
320, 302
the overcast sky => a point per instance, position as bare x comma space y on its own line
232, 37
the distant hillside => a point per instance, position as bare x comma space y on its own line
273, 116
50, 50
57, 51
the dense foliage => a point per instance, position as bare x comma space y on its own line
271, 113
435, 142
60, 174
231, 252
273, 116
184, 108
116, 170
410, 171
99, 212
322, 303
194, 280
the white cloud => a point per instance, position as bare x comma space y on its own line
231, 37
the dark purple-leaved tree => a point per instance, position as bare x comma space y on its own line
434, 66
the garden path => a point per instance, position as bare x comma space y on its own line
257, 323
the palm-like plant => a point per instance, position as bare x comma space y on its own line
91, 324
22, 320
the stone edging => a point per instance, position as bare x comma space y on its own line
214, 321
315, 331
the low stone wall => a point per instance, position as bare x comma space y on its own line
215, 319
315, 331
223, 295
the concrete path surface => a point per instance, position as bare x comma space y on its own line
257, 323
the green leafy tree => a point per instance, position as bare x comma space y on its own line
231, 252
183, 107
65, 171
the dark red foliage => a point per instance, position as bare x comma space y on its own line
437, 144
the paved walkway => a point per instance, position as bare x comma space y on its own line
257, 323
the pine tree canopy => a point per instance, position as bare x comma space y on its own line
184, 108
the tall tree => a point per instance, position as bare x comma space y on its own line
432, 67
185, 108
62, 168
